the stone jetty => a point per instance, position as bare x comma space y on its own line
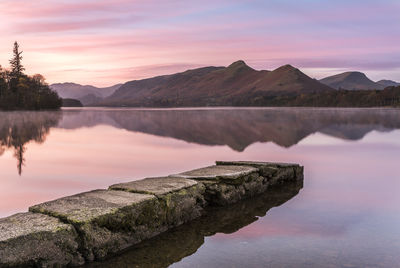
91, 226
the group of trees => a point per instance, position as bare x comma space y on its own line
389, 97
19, 91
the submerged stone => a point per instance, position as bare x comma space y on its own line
183, 198
108, 221
29, 239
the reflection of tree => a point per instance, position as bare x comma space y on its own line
172, 246
19, 128
19, 154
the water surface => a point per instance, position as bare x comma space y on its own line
346, 214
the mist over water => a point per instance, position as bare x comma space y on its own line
346, 214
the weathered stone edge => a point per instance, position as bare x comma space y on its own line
256, 164
119, 187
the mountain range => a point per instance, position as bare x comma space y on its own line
86, 94
235, 85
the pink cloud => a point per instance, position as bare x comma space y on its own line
46, 27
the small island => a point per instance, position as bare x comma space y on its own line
19, 91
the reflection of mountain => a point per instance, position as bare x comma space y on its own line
19, 128
171, 247
238, 128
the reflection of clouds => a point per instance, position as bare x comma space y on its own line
390, 140
299, 223
337, 139
318, 139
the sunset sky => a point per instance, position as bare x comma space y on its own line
104, 42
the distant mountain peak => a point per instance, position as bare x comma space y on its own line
355, 74
240, 64
388, 83
289, 71
351, 81
286, 68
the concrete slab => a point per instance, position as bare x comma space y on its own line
37, 240
219, 172
108, 221
155, 186
88, 206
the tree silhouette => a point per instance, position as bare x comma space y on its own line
19, 154
16, 65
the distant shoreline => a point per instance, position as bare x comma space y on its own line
196, 108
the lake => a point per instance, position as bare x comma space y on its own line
346, 213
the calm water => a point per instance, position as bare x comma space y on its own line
347, 213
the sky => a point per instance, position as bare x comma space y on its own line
104, 42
